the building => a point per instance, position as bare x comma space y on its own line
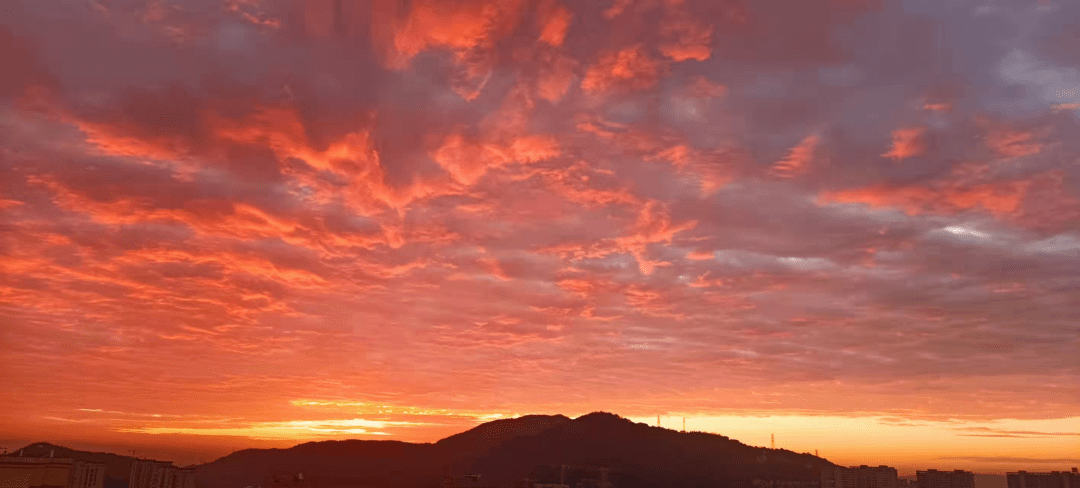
148, 473
1053, 479
286, 479
859, 477
600, 481
549, 477
933, 478
50, 472
177, 477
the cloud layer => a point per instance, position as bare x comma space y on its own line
220, 208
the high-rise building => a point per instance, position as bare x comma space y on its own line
1053, 479
933, 478
50, 472
859, 477
148, 473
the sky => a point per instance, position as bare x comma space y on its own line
854, 224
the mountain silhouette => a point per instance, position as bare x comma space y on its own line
505, 452
482, 438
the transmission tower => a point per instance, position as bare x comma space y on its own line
773, 437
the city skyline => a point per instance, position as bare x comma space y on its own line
851, 224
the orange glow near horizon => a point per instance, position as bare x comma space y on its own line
263, 222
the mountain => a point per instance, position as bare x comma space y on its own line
117, 467
482, 438
640, 455
506, 451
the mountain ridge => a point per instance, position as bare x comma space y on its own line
506, 451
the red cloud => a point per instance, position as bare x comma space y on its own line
907, 142
688, 38
628, 69
798, 158
556, 74
1013, 144
553, 19
467, 29
703, 88
1001, 199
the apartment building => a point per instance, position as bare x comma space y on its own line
50, 472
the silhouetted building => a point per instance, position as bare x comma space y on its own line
50, 472
1053, 479
282, 478
148, 473
933, 478
549, 477
601, 480
463, 481
859, 477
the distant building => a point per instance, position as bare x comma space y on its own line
549, 477
1053, 479
859, 477
933, 478
148, 473
50, 472
601, 480
286, 479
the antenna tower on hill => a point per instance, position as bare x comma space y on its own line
658, 421
773, 437
684, 424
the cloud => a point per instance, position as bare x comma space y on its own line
630, 68
798, 158
1010, 460
388, 209
906, 142
990, 432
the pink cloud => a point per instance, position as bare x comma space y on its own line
630, 68
422, 202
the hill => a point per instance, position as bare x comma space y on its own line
506, 451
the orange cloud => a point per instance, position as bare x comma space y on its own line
456, 25
1013, 144
653, 225
629, 69
533, 148
700, 255
703, 88
555, 77
689, 38
798, 158
467, 160
581, 183
468, 29
907, 142
998, 198
617, 7
249, 11
937, 106
553, 19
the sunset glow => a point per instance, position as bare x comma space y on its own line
854, 224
